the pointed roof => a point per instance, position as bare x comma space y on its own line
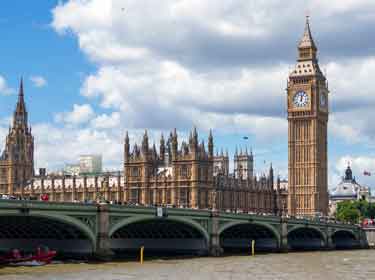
21, 102
20, 114
307, 40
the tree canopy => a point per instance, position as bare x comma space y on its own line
354, 211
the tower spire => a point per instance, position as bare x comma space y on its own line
307, 40
306, 47
21, 87
20, 114
21, 101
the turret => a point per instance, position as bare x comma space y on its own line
126, 147
174, 144
202, 149
169, 147
145, 145
278, 184
271, 176
194, 141
162, 148
154, 152
210, 144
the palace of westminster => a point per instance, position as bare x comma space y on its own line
189, 174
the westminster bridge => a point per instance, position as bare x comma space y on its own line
105, 229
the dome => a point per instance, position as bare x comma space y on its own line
348, 188
345, 190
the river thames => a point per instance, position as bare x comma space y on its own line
357, 264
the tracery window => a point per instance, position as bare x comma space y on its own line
184, 171
135, 172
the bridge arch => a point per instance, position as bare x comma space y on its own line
344, 239
239, 235
60, 232
306, 237
169, 234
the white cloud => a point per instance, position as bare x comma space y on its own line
180, 97
4, 88
38, 81
80, 114
72, 142
338, 6
107, 121
146, 60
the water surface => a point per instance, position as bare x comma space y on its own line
357, 264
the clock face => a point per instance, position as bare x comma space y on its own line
300, 99
323, 100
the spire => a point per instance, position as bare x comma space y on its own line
154, 152
127, 137
126, 147
195, 135
21, 87
306, 48
20, 114
307, 40
145, 146
174, 144
162, 148
21, 101
210, 144
194, 139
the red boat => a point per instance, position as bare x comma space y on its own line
41, 257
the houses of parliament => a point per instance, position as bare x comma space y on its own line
187, 173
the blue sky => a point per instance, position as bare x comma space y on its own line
93, 69
30, 46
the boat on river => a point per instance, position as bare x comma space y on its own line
42, 256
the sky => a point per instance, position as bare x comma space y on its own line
93, 69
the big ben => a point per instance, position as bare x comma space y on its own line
307, 99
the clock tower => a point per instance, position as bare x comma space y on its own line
307, 99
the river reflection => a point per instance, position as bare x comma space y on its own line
358, 264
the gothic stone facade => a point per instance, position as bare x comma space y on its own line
176, 175
17, 159
189, 175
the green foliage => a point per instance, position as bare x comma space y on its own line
353, 211
371, 211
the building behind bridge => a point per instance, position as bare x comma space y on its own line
348, 190
179, 175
